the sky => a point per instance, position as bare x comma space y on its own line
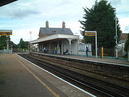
25, 17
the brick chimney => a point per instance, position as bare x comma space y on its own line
63, 24
47, 24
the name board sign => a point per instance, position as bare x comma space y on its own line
90, 33
5, 32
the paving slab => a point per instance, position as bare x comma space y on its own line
17, 82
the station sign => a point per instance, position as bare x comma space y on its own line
90, 33
5, 32
93, 33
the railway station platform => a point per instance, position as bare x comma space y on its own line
21, 78
102, 60
112, 61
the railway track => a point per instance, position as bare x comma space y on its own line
97, 87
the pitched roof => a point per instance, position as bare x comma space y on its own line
50, 31
123, 36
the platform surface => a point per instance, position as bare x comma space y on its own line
21, 78
103, 60
121, 62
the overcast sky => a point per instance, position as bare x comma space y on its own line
25, 16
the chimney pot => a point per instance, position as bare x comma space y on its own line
47, 24
63, 24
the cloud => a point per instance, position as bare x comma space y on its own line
123, 14
18, 10
121, 7
127, 28
124, 25
25, 34
23, 13
116, 2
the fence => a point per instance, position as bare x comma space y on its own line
6, 51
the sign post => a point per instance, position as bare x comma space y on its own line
93, 33
6, 33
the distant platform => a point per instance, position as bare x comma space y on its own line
110, 61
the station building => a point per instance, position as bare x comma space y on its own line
56, 40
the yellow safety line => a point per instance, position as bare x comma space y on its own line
37, 78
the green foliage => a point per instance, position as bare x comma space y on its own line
23, 45
13, 45
101, 18
127, 44
3, 42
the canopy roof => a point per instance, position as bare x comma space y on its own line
4, 2
54, 37
5, 32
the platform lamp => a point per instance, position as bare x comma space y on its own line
116, 38
29, 42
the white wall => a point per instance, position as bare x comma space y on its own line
66, 45
121, 50
74, 47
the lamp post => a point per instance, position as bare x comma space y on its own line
30, 42
96, 45
7, 42
116, 36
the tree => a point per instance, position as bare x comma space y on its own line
3, 42
23, 45
13, 46
101, 18
127, 44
